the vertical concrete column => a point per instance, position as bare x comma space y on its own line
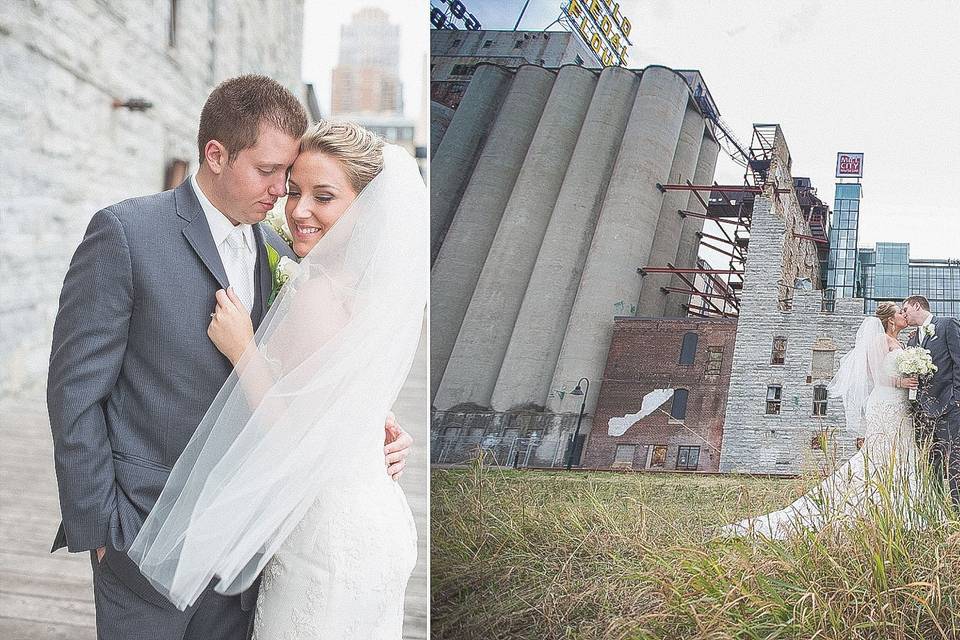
689, 247
485, 332
451, 165
667, 238
464, 250
610, 284
531, 356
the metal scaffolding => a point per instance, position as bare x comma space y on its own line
729, 206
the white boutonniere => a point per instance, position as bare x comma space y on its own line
930, 330
287, 269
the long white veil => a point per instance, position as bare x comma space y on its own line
306, 412
860, 371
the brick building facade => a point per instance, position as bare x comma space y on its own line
694, 357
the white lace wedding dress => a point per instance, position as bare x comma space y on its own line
341, 574
889, 452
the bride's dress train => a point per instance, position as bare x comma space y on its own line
887, 459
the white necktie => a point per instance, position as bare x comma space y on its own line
243, 266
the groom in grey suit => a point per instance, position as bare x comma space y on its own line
132, 370
938, 398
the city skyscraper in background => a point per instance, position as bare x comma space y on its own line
366, 78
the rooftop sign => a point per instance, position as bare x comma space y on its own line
849, 165
601, 27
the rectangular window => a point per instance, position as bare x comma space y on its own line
624, 455
678, 409
714, 360
688, 458
774, 392
820, 400
779, 354
659, 456
463, 70
688, 348
822, 367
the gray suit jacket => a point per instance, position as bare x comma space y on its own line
938, 395
132, 370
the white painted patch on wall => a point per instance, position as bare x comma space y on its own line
651, 402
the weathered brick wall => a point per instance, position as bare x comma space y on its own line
68, 152
645, 355
754, 442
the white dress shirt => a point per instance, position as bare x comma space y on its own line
922, 335
239, 271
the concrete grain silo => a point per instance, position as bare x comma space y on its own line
474, 364
527, 370
559, 211
467, 242
454, 159
610, 284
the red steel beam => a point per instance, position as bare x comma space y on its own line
699, 197
719, 250
683, 214
693, 287
707, 312
694, 292
722, 188
642, 270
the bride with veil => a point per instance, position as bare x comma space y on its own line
285, 474
877, 409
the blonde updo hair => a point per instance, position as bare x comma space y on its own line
359, 151
886, 311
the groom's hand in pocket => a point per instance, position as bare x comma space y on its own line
397, 447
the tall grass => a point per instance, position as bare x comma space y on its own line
590, 555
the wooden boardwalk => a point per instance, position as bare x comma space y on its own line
50, 596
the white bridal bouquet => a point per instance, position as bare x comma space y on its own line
915, 361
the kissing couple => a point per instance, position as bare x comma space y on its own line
204, 436
898, 433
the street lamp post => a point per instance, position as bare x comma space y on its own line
578, 392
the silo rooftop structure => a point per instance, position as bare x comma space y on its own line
551, 201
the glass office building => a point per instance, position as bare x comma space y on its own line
888, 273
842, 262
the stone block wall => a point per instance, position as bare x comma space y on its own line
753, 440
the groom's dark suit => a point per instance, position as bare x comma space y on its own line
132, 372
938, 399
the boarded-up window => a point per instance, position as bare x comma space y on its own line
624, 455
779, 354
820, 400
773, 399
659, 456
688, 458
678, 410
714, 360
823, 359
688, 349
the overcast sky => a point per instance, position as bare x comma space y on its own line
321, 43
877, 76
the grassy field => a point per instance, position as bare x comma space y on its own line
533, 554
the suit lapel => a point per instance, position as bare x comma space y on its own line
197, 232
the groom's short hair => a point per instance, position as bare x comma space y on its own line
234, 110
920, 300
